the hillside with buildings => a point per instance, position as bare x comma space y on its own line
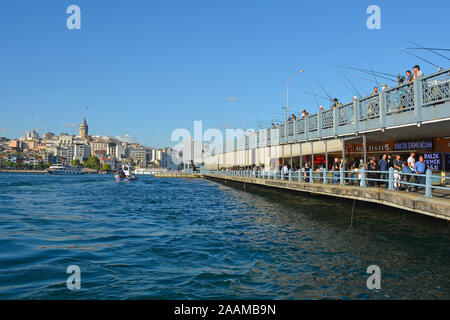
36, 152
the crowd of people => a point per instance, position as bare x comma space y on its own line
406, 172
377, 171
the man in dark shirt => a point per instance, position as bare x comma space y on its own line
397, 170
409, 76
336, 168
383, 166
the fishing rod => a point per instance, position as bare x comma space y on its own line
380, 74
323, 89
422, 47
348, 80
378, 85
373, 73
351, 90
437, 49
317, 95
422, 59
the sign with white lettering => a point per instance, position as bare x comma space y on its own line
433, 161
426, 144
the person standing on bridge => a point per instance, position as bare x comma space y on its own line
285, 171
397, 170
411, 164
335, 168
409, 76
419, 168
383, 167
417, 72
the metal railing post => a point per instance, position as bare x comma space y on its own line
290, 174
325, 176
428, 184
335, 122
356, 114
363, 177
311, 176
383, 108
299, 175
391, 179
341, 174
319, 124
418, 99
281, 174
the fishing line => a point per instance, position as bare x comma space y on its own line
422, 47
378, 85
421, 58
351, 217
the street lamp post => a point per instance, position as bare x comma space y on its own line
287, 91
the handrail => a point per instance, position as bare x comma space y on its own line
392, 179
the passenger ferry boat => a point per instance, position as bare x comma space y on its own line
59, 169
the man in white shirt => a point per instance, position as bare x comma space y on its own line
285, 170
412, 161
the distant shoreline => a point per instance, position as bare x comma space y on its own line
22, 171
40, 171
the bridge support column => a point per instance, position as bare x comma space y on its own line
290, 153
365, 149
301, 156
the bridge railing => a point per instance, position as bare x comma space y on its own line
436, 88
391, 180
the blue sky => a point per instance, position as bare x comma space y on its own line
145, 68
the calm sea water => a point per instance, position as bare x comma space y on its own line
196, 239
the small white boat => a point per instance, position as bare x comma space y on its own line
59, 169
125, 174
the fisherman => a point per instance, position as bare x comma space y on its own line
409, 76
336, 103
417, 72
304, 114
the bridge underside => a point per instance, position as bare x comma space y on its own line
426, 130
